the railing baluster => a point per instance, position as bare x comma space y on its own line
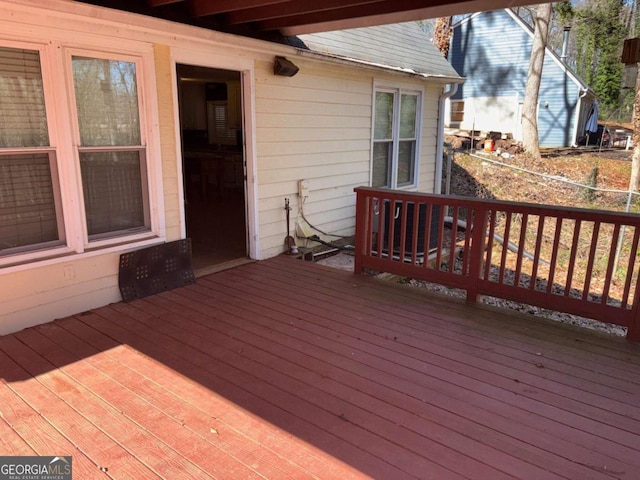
536, 253
631, 267
505, 242
554, 254
454, 238
467, 243
381, 231
415, 231
610, 263
572, 258
403, 231
592, 256
392, 224
426, 241
438, 265
521, 248
493, 214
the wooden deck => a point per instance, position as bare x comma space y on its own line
284, 369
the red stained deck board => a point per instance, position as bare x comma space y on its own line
298, 366
348, 436
195, 409
531, 331
294, 378
254, 430
161, 428
62, 427
532, 386
414, 417
382, 393
156, 455
418, 304
424, 393
580, 414
173, 355
447, 343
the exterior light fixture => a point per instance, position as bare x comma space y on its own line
284, 67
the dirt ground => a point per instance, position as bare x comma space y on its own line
611, 169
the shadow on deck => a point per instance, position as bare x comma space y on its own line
285, 369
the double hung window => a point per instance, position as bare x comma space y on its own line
395, 138
70, 177
30, 207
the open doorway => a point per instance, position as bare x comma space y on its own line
213, 164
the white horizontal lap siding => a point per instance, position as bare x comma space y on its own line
315, 126
428, 140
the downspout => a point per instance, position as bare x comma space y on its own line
577, 117
453, 88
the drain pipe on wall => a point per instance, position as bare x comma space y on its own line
453, 88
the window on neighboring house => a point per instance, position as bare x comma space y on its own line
30, 208
112, 156
395, 138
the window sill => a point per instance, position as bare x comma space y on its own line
66, 255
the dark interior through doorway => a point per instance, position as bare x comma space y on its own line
211, 123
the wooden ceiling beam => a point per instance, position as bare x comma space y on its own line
160, 3
297, 7
202, 8
351, 12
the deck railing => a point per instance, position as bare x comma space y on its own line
582, 262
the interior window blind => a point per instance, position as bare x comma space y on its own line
23, 122
28, 216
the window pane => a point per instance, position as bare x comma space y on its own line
23, 120
381, 164
107, 102
408, 107
27, 202
384, 116
112, 184
406, 162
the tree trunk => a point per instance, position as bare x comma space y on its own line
442, 35
530, 140
635, 159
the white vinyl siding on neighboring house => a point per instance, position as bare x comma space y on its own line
100, 139
396, 129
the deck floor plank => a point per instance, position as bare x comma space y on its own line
494, 374
284, 369
63, 430
410, 413
426, 393
341, 401
194, 408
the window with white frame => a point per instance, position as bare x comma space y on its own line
30, 208
111, 153
396, 129
100, 140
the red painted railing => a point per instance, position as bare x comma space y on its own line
578, 261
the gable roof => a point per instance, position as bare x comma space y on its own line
400, 47
548, 52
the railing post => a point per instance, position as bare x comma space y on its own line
362, 226
478, 239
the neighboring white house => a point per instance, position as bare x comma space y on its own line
120, 131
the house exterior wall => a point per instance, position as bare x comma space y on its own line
315, 126
492, 50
